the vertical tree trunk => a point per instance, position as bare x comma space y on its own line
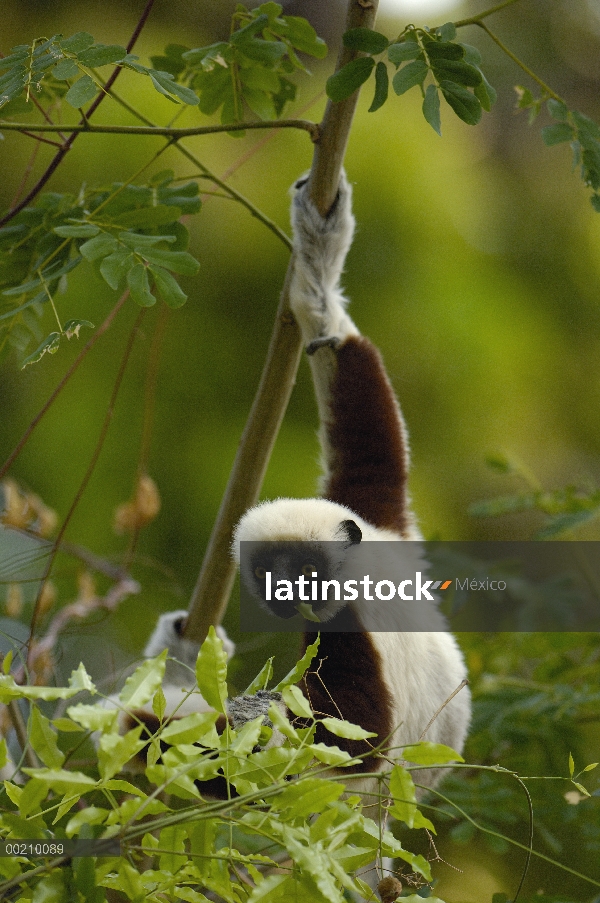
215, 580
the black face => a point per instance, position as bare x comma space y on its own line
289, 561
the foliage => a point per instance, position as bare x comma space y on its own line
419, 53
257, 844
66, 67
563, 509
251, 69
130, 234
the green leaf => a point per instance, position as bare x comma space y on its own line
101, 55
85, 230
81, 92
447, 32
72, 327
159, 704
211, 670
431, 108
591, 767
457, 71
148, 217
65, 69
43, 739
581, 789
437, 50
94, 717
564, 522
139, 286
300, 669
168, 287
62, 781
381, 87
261, 681
466, 106
349, 78
307, 796
404, 800
296, 702
114, 268
260, 102
410, 75
366, 40
302, 36
141, 242
557, 109
190, 728
165, 84
141, 686
346, 729
405, 50
281, 723
332, 755
472, 55
98, 247
557, 133
114, 751
49, 345
426, 753
485, 94
571, 766
172, 838
77, 42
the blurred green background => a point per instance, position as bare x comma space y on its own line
475, 269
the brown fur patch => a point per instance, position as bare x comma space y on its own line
350, 685
369, 467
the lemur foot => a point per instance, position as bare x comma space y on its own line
245, 708
331, 341
321, 244
328, 236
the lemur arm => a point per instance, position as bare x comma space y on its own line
362, 433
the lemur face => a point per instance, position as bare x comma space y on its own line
276, 569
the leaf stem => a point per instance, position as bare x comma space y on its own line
50, 299
547, 90
86, 477
476, 20
84, 351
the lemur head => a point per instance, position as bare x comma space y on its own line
295, 538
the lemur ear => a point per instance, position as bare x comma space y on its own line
351, 531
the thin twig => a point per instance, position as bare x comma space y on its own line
86, 477
66, 147
460, 687
547, 90
18, 722
475, 20
84, 351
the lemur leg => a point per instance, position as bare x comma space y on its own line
363, 437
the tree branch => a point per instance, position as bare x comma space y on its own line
213, 587
166, 131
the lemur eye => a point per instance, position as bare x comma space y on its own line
308, 569
260, 572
